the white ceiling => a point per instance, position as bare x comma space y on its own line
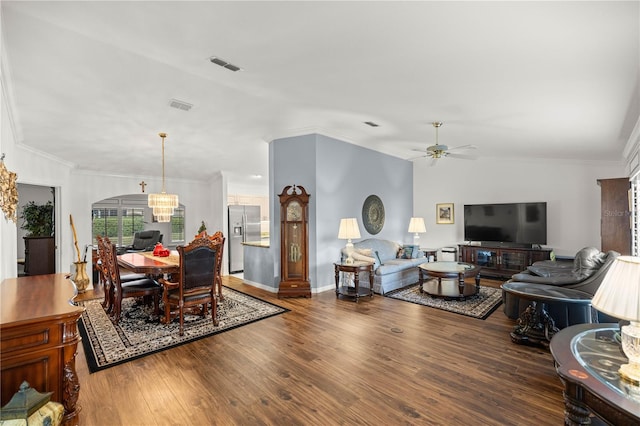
90, 82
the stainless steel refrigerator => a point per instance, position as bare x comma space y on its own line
244, 226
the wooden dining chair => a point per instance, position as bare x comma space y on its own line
120, 289
219, 239
103, 273
196, 283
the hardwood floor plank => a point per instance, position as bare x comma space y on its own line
332, 361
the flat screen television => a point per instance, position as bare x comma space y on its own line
521, 224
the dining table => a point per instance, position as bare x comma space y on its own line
148, 264
157, 266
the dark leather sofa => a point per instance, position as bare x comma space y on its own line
144, 241
584, 273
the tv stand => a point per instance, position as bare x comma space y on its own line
501, 244
500, 260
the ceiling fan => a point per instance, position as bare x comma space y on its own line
438, 151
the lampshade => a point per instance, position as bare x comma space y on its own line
348, 229
157, 211
416, 225
163, 218
162, 203
619, 296
619, 292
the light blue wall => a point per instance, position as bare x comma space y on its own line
339, 176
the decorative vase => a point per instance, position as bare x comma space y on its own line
80, 277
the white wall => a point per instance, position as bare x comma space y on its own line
569, 188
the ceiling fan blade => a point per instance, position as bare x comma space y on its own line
462, 156
464, 147
416, 158
418, 150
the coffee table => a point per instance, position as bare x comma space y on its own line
455, 273
535, 325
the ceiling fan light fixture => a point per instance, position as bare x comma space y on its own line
438, 150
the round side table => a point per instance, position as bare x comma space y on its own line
355, 268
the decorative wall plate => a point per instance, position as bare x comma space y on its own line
373, 214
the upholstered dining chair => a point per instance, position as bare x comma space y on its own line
219, 238
196, 283
123, 289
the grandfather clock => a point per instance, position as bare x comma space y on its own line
294, 242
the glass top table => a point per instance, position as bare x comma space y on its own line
446, 279
588, 357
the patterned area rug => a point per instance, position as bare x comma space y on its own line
479, 306
140, 333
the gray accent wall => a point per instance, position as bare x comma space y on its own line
339, 176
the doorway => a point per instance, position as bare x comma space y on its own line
37, 256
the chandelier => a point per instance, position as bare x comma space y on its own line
163, 204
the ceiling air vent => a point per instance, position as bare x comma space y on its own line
185, 106
371, 123
224, 64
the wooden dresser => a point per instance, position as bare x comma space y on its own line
39, 339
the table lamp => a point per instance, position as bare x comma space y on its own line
619, 296
416, 225
348, 230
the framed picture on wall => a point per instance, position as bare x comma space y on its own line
444, 213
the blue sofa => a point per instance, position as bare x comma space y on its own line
395, 265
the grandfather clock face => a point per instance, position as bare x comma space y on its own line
294, 211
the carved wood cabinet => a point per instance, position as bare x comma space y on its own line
39, 339
294, 243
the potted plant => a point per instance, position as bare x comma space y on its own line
38, 219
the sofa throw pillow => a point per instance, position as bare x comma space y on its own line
416, 252
362, 258
365, 252
408, 251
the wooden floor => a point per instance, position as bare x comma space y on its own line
334, 362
